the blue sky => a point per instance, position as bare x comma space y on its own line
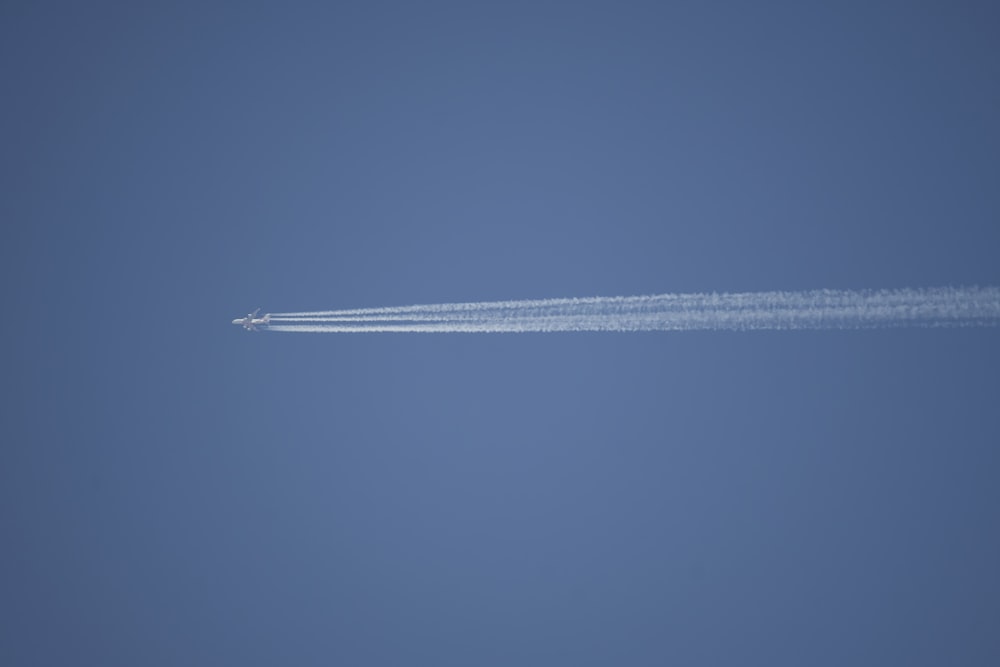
174, 490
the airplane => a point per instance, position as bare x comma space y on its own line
251, 321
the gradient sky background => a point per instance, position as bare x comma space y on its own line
174, 490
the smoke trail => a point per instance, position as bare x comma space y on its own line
817, 309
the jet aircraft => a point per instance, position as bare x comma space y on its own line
251, 321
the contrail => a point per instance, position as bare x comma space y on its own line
816, 309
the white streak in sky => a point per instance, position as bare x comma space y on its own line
817, 309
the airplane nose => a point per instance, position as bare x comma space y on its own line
237, 321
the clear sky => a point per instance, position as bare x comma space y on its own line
174, 490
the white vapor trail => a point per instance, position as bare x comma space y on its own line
816, 309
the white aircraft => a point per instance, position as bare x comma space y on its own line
251, 321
